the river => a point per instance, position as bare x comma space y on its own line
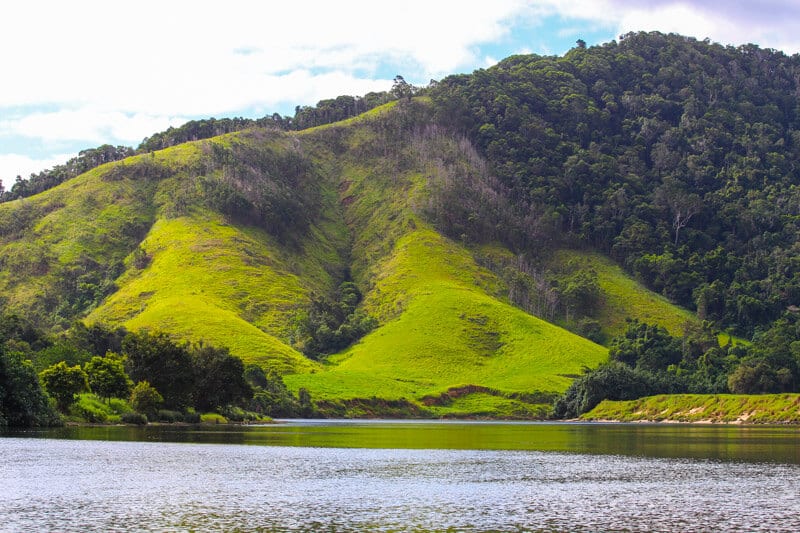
402, 476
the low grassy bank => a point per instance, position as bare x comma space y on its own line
712, 408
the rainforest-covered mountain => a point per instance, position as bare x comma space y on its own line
431, 250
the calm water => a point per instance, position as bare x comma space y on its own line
401, 476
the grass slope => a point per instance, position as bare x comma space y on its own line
88, 224
444, 323
213, 282
224, 283
623, 297
724, 408
449, 334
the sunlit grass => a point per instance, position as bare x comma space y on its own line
732, 408
623, 297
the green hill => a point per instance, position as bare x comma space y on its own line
230, 240
450, 254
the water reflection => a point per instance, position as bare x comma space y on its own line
728, 443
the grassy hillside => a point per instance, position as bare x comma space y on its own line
623, 297
724, 408
227, 281
228, 241
444, 321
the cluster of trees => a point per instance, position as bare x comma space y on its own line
47, 179
679, 158
333, 110
646, 360
151, 371
276, 189
332, 325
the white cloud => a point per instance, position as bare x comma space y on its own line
116, 72
97, 71
87, 124
13, 165
185, 58
768, 23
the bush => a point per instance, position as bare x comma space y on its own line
133, 418
213, 418
23, 403
88, 412
191, 418
165, 415
145, 399
611, 381
91, 408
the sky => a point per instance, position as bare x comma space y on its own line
83, 73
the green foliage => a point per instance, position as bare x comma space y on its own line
755, 378
146, 399
47, 179
611, 381
97, 339
220, 379
63, 383
263, 183
57, 352
23, 403
107, 377
255, 376
91, 408
155, 359
135, 418
20, 334
646, 346
331, 326
272, 398
675, 156
199, 376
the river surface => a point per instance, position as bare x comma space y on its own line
402, 476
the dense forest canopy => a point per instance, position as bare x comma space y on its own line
678, 158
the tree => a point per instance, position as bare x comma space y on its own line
23, 403
401, 89
107, 377
753, 378
646, 346
167, 366
255, 376
681, 204
611, 381
63, 383
145, 399
220, 379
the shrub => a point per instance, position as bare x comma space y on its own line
165, 415
611, 381
134, 418
145, 399
88, 412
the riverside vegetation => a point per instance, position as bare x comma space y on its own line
615, 223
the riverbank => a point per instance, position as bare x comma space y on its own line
702, 408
